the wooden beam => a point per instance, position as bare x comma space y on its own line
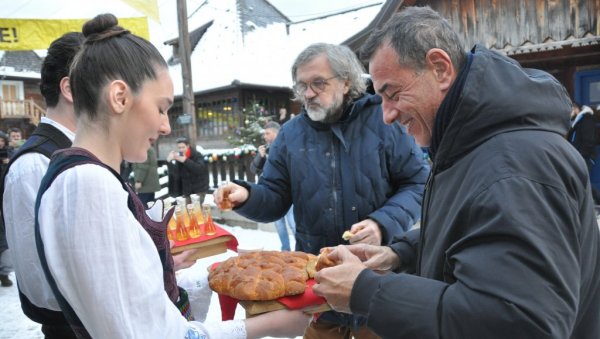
186, 69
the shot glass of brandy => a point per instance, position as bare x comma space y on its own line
225, 204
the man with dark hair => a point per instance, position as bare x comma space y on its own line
22, 180
15, 137
270, 132
508, 245
341, 167
188, 174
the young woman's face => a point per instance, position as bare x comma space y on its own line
148, 117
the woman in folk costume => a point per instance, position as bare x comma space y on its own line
102, 263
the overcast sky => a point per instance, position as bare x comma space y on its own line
296, 10
267, 49
304, 9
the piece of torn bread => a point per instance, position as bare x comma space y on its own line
347, 235
323, 260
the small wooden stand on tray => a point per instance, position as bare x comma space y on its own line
204, 247
192, 229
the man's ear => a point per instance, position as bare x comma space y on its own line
65, 89
346, 86
440, 63
118, 96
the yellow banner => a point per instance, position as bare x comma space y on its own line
29, 34
148, 7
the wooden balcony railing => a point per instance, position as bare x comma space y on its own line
21, 109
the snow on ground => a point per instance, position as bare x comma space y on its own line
15, 325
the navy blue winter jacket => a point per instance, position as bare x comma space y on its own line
339, 174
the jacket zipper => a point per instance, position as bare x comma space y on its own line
333, 188
424, 208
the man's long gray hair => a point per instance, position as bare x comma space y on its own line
344, 64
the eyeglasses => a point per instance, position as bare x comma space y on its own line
317, 86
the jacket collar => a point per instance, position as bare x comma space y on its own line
499, 96
351, 111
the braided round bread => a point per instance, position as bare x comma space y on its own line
266, 275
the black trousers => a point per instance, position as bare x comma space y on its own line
58, 332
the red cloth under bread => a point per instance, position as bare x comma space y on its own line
293, 302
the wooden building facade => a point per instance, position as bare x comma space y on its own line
561, 37
21, 102
220, 111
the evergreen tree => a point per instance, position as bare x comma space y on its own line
251, 130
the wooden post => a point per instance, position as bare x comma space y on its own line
230, 168
185, 51
222, 170
215, 175
241, 169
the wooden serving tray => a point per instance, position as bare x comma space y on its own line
253, 308
205, 248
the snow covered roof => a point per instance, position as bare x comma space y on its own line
248, 40
21, 64
253, 50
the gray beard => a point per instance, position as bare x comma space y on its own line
317, 114
326, 115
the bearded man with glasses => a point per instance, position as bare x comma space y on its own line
340, 166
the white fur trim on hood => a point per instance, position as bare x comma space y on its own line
584, 110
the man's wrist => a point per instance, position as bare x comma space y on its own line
393, 258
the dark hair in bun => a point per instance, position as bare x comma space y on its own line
110, 52
102, 27
56, 65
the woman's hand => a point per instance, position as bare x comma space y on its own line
282, 324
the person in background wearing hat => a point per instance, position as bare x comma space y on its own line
188, 173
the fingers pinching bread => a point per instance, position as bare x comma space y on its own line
347, 235
323, 260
